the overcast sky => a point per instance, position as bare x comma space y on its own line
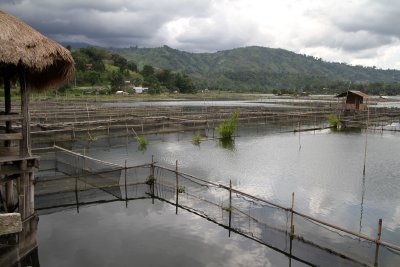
364, 32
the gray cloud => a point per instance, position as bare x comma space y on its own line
349, 31
107, 22
358, 25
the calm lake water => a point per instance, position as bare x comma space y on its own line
323, 168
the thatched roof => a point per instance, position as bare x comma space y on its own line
352, 92
46, 63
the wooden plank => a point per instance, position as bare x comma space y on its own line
10, 117
10, 136
9, 151
13, 169
10, 158
10, 223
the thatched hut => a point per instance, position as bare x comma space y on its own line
38, 64
354, 100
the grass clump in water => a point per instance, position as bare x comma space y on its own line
196, 139
228, 128
334, 121
142, 140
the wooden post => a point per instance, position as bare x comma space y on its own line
126, 188
7, 103
299, 136
76, 194
84, 160
291, 218
24, 143
378, 242
108, 128
73, 131
152, 177
177, 186
230, 206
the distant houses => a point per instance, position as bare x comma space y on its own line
140, 90
130, 87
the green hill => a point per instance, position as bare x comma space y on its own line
264, 69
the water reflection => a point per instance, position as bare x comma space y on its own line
326, 174
227, 143
147, 233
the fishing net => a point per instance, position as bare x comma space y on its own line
312, 243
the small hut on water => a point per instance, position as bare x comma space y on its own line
354, 100
35, 63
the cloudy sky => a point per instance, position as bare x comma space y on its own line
364, 32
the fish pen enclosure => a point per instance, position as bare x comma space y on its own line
298, 236
64, 120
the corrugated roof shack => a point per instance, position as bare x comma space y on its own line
354, 100
35, 63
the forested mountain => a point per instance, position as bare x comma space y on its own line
265, 69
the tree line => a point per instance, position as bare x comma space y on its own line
98, 67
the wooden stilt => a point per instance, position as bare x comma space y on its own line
378, 242
177, 186
291, 218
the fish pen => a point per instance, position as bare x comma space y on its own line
56, 121
297, 235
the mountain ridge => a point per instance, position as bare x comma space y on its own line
257, 68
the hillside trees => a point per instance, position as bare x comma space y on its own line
96, 66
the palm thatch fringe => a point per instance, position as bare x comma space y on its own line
45, 63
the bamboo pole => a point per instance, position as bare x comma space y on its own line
76, 195
126, 188
378, 242
230, 206
177, 186
291, 218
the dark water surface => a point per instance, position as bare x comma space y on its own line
145, 234
323, 168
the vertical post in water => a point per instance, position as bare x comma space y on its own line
177, 186
291, 218
84, 160
366, 141
152, 178
230, 206
378, 242
126, 188
76, 194
299, 135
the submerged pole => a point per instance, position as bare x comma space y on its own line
291, 218
177, 187
366, 142
126, 188
378, 242
230, 206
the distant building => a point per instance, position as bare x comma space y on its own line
140, 90
121, 93
354, 100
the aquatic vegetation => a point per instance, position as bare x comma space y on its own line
181, 189
150, 180
334, 121
142, 140
142, 143
196, 139
227, 144
228, 209
227, 129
